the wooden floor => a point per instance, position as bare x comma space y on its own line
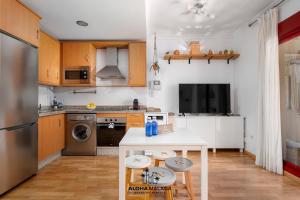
232, 176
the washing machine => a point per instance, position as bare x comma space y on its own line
81, 137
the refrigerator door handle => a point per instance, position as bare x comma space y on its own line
18, 127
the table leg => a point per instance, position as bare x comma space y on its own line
132, 174
122, 191
204, 173
184, 154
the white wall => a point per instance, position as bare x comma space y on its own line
245, 96
199, 71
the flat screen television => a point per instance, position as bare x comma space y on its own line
204, 98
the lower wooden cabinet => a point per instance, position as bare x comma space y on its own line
51, 135
135, 120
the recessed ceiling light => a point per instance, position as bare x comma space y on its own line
188, 26
81, 23
198, 27
181, 29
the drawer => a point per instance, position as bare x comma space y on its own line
135, 118
111, 115
135, 125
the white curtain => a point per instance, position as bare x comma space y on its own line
269, 147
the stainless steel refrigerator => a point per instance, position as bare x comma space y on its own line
18, 111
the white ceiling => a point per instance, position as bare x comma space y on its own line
108, 19
127, 19
165, 16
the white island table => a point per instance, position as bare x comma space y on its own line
179, 140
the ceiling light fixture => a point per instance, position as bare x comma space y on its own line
81, 23
198, 8
198, 27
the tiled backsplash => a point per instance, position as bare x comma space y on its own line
46, 95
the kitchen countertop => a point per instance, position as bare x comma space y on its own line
47, 111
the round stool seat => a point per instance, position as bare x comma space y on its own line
163, 155
161, 177
138, 162
178, 164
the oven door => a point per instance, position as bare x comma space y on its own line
110, 134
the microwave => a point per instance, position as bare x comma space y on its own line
77, 75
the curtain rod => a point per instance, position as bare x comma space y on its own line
275, 6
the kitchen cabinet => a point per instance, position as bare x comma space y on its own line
51, 135
18, 20
230, 132
204, 126
49, 60
76, 55
137, 64
135, 120
220, 132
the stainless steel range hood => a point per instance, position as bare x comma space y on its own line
111, 69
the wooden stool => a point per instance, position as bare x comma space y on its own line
162, 177
159, 156
179, 164
132, 163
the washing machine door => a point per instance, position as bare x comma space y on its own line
81, 132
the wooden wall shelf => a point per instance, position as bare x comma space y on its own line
207, 57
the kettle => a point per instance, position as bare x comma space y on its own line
135, 104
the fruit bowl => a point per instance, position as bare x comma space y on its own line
91, 106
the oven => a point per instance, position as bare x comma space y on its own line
110, 131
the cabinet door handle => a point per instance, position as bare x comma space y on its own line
37, 34
87, 57
47, 73
59, 123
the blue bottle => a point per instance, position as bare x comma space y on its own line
154, 127
148, 127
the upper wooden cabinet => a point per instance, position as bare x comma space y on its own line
16, 19
137, 64
49, 60
78, 54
